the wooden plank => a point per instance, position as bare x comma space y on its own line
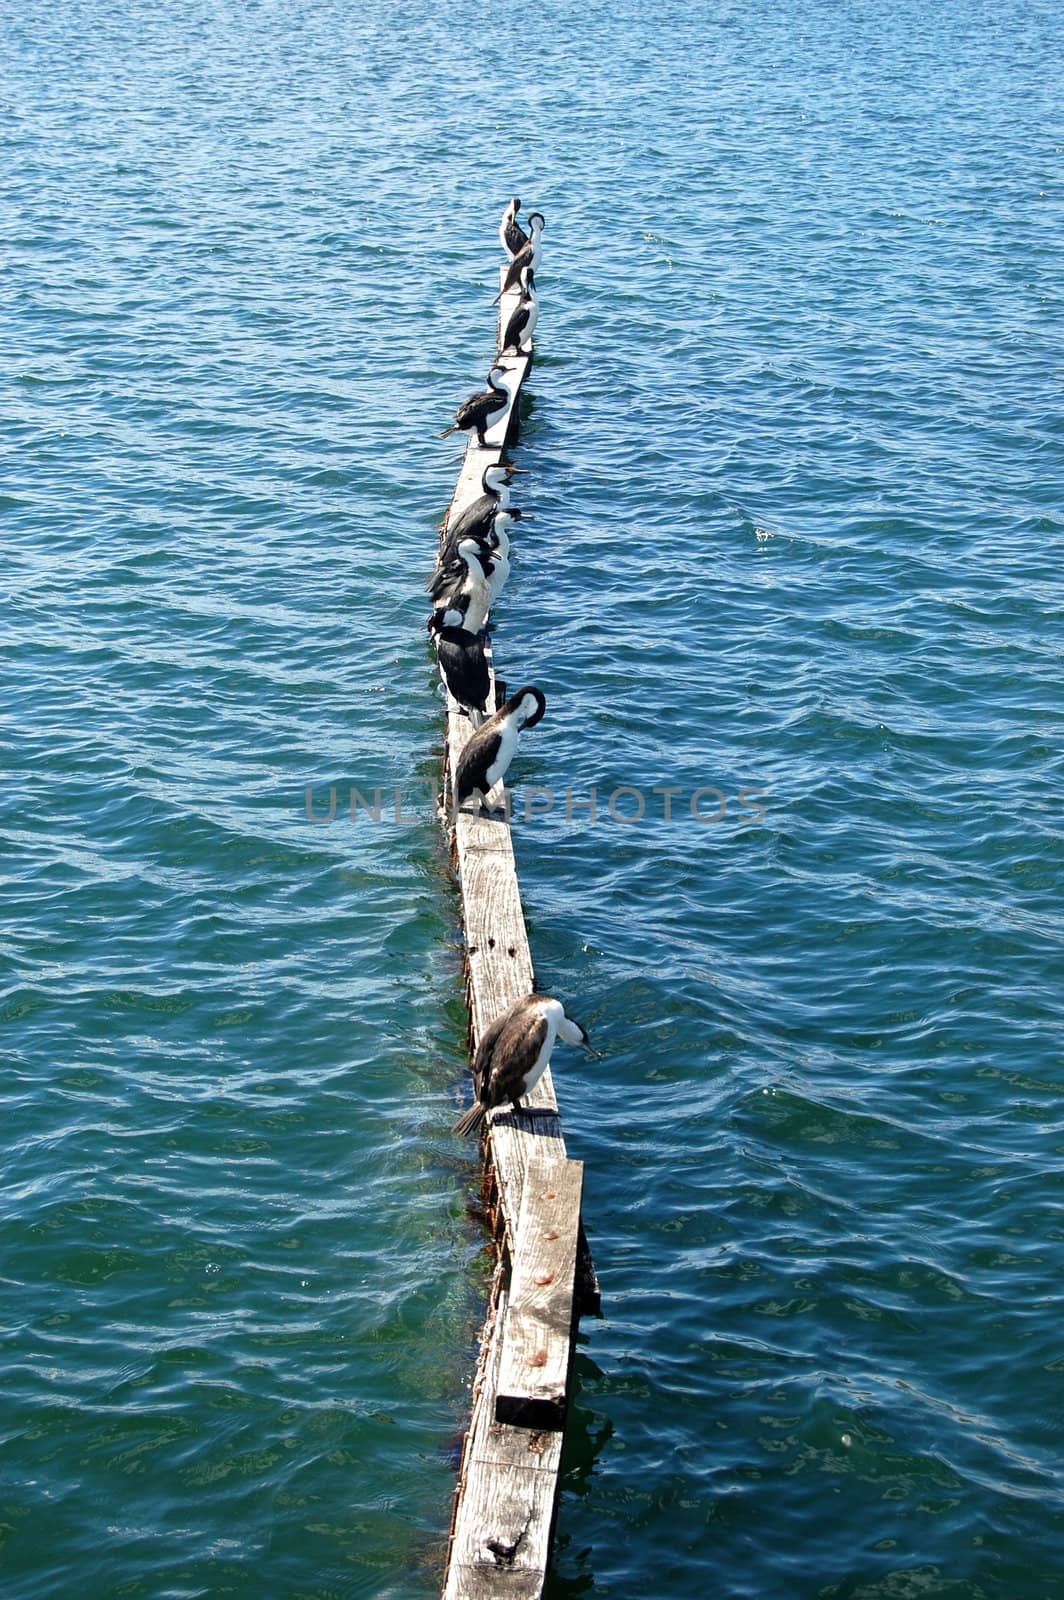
508, 1519
497, 1444
538, 1332
507, 1495
494, 1583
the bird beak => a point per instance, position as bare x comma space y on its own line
596, 1055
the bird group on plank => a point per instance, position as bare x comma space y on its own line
472, 567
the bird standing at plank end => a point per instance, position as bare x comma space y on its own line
512, 236
487, 756
485, 407
515, 1052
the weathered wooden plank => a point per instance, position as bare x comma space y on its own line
493, 1583
507, 1516
507, 1493
537, 1334
496, 1444
500, 963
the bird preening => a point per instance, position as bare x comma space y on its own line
528, 255
512, 236
514, 1052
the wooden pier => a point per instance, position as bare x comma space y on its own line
507, 1494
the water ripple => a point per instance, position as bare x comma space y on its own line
793, 442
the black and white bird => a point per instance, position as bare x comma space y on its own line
493, 537
485, 407
514, 1053
451, 574
517, 335
498, 537
489, 752
527, 256
464, 605
474, 521
512, 236
464, 666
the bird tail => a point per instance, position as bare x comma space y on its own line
470, 1120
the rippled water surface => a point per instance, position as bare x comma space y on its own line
794, 448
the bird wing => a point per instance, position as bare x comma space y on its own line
471, 409
468, 522
514, 1053
474, 762
515, 325
464, 666
516, 237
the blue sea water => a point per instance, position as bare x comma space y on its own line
794, 449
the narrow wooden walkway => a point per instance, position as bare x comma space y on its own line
506, 1499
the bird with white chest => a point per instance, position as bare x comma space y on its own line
517, 335
475, 521
528, 256
462, 595
487, 756
493, 538
483, 409
514, 1053
451, 573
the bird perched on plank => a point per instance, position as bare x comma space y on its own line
464, 666
514, 1053
450, 575
512, 236
472, 523
489, 752
485, 407
517, 337
465, 594
527, 256
493, 539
